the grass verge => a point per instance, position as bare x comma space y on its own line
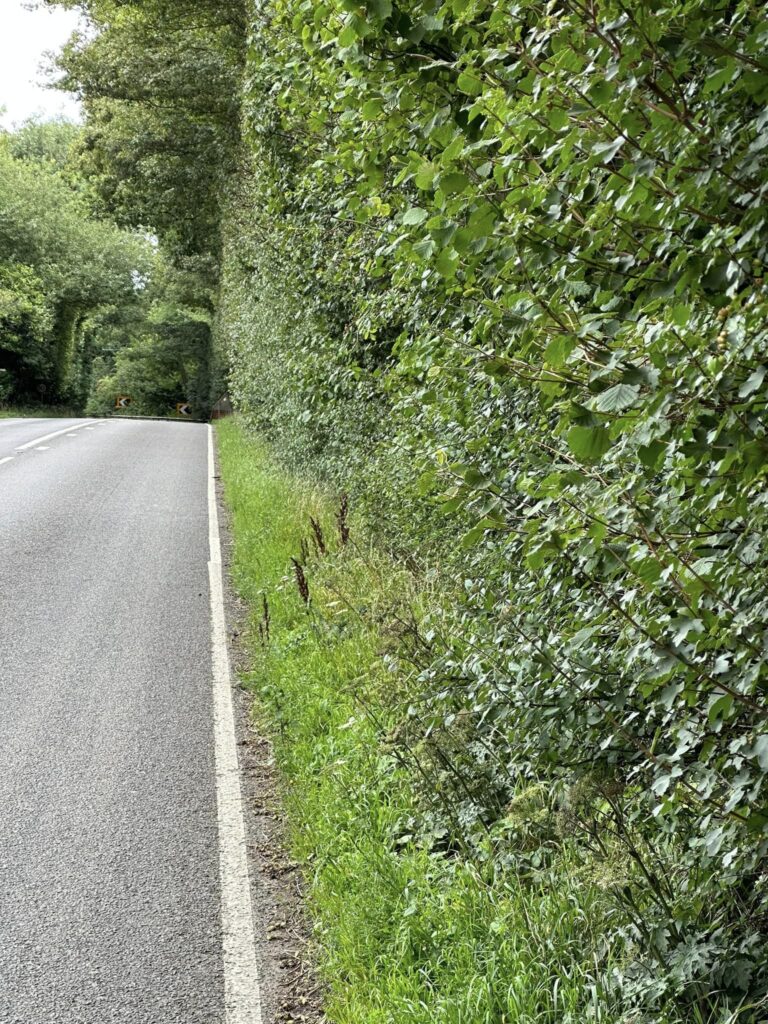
405, 932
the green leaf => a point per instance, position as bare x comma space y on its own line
539, 556
760, 751
447, 262
415, 215
558, 350
720, 706
589, 443
620, 396
379, 8
718, 79
371, 109
425, 248
427, 482
470, 83
650, 454
348, 36
681, 315
453, 182
498, 368
425, 176
557, 119
608, 150
683, 625
474, 477
753, 382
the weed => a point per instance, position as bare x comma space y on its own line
318, 536
301, 581
342, 520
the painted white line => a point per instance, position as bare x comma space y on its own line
8, 459
49, 437
242, 992
44, 448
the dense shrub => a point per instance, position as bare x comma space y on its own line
507, 261
404, 932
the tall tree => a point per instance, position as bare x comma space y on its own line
160, 83
57, 264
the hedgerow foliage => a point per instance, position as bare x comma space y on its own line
505, 261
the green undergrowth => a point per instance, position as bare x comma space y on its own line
407, 930
37, 412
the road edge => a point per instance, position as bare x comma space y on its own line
292, 990
242, 986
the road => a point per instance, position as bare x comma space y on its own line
111, 834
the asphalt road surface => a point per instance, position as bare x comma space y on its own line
110, 887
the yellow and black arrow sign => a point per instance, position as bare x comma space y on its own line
184, 409
123, 401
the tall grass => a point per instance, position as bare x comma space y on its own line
405, 933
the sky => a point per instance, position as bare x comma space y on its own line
25, 36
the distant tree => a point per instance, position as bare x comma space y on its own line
46, 142
57, 264
160, 85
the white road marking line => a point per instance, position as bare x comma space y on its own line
8, 459
45, 448
242, 992
49, 437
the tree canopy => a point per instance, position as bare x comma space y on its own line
160, 84
57, 262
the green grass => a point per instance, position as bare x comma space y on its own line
404, 934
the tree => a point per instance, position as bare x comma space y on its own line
161, 83
159, 358
58, 263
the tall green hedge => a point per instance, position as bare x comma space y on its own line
497, 269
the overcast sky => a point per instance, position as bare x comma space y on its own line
25, 35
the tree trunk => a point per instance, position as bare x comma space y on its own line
66, 329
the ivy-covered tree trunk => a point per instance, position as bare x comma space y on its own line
69, 318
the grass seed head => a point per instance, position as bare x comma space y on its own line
301, 581
342, 518
318, 536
